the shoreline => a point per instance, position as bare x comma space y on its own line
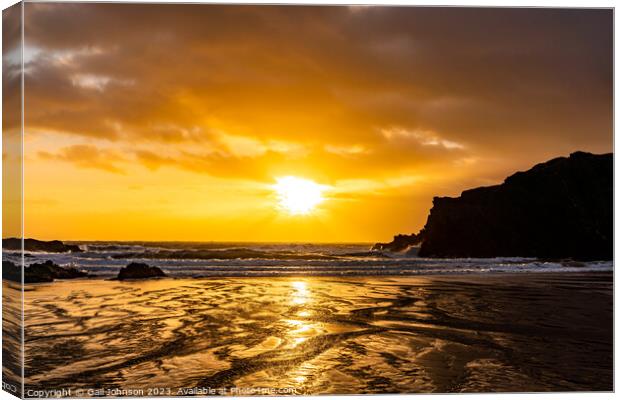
485, 275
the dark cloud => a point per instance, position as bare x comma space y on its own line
11, 69
520, 83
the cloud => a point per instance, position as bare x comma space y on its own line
85, 156
96, 82
351, 150
425, 138
250, 91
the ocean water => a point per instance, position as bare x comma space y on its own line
288, 319
226, 259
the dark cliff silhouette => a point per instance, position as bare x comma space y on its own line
562, 208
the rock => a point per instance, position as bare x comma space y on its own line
400, 243
562, 208
139, 271
11, 272
39, 272
54, 246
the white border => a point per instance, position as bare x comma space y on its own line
480, 3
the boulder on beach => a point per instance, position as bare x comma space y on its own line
562, 208
11, 272
53, 246
39, 272
139, 271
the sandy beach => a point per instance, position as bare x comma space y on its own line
319, 335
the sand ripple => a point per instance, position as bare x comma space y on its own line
324, 335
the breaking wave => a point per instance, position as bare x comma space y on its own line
104, 259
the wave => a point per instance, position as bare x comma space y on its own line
226, 254
235, 259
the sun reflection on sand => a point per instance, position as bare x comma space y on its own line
301, 294
302, 329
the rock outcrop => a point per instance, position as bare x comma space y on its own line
39, 272
562, 208
139, 271
400, 243
53, 246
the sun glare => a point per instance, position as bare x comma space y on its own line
298, 196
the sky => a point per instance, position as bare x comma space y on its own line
174, 122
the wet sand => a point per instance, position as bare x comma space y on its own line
476, 333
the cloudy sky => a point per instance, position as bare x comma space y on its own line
172, 122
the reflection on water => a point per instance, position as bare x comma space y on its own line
300, 294
324, 335
301, 329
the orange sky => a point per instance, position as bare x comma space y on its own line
172, 122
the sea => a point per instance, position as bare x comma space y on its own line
307, 319
239, 259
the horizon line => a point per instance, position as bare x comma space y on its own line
197, 241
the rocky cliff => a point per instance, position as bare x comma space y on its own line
562, 208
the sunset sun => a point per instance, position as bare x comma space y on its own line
298, 196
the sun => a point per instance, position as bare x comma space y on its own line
298, 196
